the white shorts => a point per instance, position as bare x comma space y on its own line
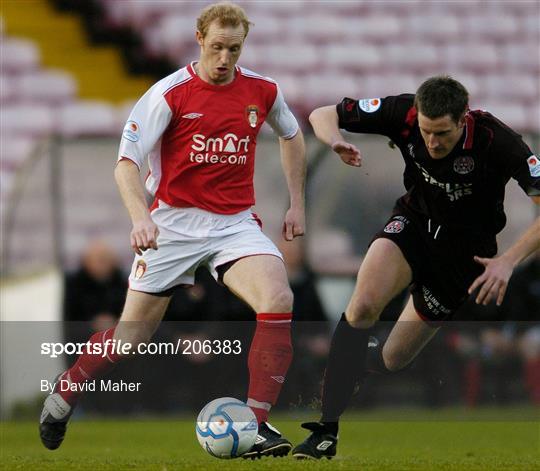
190, 238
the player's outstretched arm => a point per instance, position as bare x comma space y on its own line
498, 270
144, 233
325, 123
293, 160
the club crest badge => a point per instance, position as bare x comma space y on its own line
394, 227
140, 269
252, 115
463, 165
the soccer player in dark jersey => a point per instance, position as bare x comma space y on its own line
440, 239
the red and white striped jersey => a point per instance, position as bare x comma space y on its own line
200, 138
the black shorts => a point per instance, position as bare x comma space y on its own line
441, 259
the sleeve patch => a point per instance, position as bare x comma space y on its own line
534, 165
369, 105
131, 131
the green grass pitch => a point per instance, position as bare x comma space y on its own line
427, 440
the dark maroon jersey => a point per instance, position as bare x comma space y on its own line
464, 190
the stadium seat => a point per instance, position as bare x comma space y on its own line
7, 180
361, 59
264, 28
521, 56
88, 118
380, 28
513, 86
7, 88
435, 27
27, 119
533, 117
509, 113
327, 89
49, 86
14, 150
389, 85
497, 27
413, 56
18, 55
299, 57
317, 27
471, 57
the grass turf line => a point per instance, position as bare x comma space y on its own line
375, 445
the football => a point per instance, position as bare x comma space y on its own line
226, 428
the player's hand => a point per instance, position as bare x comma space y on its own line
494, 281
144, 236
348, 153
294, 224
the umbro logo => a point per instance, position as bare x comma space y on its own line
192, 115
279, 379
259, 439
324, 445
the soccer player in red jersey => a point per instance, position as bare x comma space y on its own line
440, 240
199, 128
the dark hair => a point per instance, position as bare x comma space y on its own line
441, 95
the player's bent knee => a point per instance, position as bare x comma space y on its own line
362, 314
280, 300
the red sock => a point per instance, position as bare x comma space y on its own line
90, 365
269, 359
532, 379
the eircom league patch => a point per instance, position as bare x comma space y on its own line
534, 165
131, 131
369, 105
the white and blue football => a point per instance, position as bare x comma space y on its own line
226, 428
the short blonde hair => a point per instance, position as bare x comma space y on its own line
226, 13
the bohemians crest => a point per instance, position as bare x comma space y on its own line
463, 165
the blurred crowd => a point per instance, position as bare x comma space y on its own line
488, 355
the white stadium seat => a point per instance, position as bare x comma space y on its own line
495, 26
27, 119
88, 118
416, 56
521, 56
435, 27
471, 57
50, 86
509, 113
513, 86
18, 55
14, 150
7, 88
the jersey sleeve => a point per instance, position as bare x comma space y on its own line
144, 127
384, 116
280, 118
521, 164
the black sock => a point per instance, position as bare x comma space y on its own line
345, 366
374, 359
